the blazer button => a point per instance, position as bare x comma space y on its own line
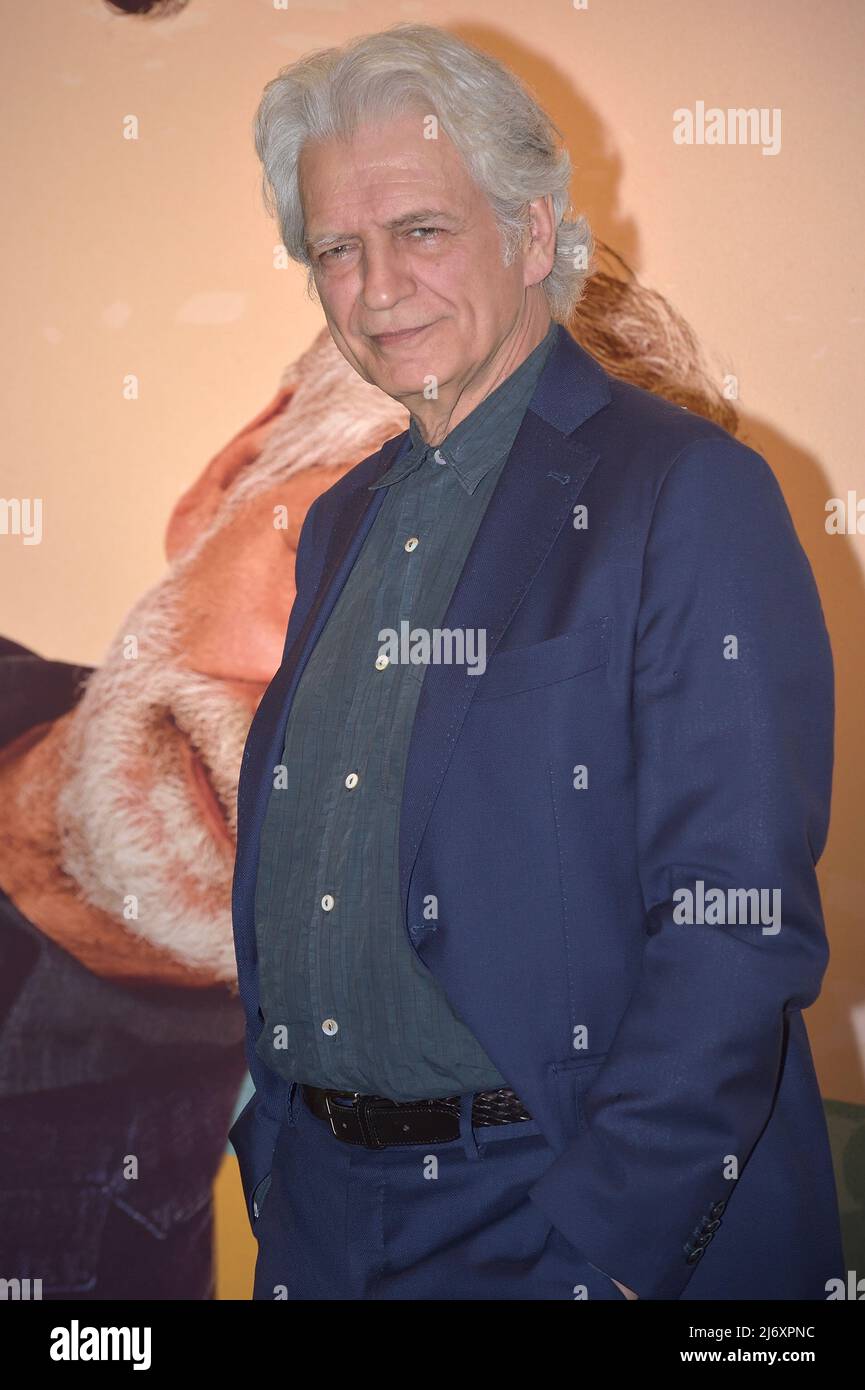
699, 1240
712, 1225
717, 1208
694, 1256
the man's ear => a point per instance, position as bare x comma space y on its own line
539, 242
198, 505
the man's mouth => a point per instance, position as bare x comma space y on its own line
403, 336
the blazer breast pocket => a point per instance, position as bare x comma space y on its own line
543, 663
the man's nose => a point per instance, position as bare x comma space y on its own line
385, 280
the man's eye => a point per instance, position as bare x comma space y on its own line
336, 253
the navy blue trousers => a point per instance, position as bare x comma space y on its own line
431, 1221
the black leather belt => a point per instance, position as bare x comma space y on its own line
375, 1122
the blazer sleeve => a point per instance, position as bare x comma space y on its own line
253, 1134
308, 565
733, 766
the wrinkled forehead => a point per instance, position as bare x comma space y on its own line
399, 161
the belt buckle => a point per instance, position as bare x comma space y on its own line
361, 1105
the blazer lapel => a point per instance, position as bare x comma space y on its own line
536, 493
534, 497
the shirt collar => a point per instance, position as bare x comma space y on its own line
479, 441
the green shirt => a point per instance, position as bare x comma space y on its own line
346, 1002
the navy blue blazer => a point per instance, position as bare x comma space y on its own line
667, 1064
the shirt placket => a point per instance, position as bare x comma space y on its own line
415, 508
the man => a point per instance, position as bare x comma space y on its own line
524, 901
110, 1022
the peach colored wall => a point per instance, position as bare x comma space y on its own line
154, 257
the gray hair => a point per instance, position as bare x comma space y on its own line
505, 138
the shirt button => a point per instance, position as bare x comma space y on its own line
352, 780
330, 1026
411, 543
439, 457
327, 902
381, 661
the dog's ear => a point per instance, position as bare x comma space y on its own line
198, 505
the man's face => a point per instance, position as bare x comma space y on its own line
411, 243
